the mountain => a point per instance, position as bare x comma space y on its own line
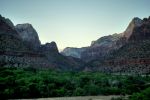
9, 37
102, 47
132, 57
127, 52
73, 52
50, 51
28, 35
20, 47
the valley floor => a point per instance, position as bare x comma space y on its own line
78, 98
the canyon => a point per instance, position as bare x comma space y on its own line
126, 52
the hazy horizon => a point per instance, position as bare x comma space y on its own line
74, 23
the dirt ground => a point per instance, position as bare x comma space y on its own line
78, 98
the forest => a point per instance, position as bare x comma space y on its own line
34, 83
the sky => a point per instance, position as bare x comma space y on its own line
74, 23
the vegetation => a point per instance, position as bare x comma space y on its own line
33, 83
144, 95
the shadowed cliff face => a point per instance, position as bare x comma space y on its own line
9, 37
7, 27
49, 47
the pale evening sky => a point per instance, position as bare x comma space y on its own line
74, 23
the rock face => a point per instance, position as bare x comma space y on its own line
136, 22
98, 48
73, 52
7, 27
141, 32
28, 35
20, 47
49, 47
101, 47
106, 40
132, 57
9, 37
9, 23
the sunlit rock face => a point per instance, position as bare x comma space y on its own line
98, 48
136, 22
106, 40
142, 32
101, 47
28, 35
73, 52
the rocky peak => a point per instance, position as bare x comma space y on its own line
24, 26
142, 32
136, 22
7, 28
7, 21
49, 47
106, 40
28, 35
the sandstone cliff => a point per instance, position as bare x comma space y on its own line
28, 35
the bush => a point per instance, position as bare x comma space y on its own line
144, 95
32, 83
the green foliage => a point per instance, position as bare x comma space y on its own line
144, 95
79, 92
32, 83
